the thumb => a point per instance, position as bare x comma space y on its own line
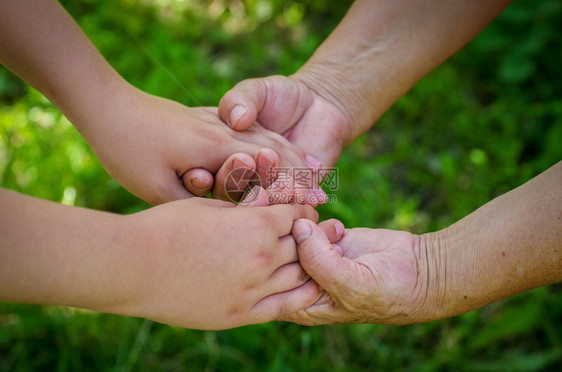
240, 106
317, 256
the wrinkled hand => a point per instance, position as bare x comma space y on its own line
287, 105
377, 280
148, 144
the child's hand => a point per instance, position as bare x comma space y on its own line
377, 280
148, 144
207, 264
196, 263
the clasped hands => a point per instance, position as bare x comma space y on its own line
249, 265
209, 264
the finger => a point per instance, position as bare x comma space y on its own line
292, 161
284, 157
198, 181
282, 191
233, 177
267, 161
333, 229
285, 215
321, 197
240, 106
291, 155
286, 251
319, 258
255, 197
294, 182
286, 277
279, 305
302, 318
323, 311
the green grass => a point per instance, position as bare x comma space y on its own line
481, 124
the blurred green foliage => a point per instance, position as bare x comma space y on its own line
483, 123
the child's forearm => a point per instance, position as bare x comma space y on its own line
511, 244
167, 263
41, 43
382, 48
59, 255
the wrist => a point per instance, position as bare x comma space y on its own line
455, 274
132, 278
106, 119
116, 269
435, 294
104, 100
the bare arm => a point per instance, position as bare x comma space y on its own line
50, 254
510, 245
374, 56
145, 142
382, 48
41, 43
167, 263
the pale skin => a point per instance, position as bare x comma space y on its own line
375, 55
338, 109
158, 149
183, 263
230, 266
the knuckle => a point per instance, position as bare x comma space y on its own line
235, 311
263, 259
263, 220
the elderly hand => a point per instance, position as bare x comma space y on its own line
289, 106
379, 279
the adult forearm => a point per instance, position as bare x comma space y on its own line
54, 254
511, 244
382, 48
41, 43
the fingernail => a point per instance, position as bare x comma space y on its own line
340, 229
236, 114
251, 195
239, 163
301, 231
313, 162
239, 167
264, 162
199, 183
